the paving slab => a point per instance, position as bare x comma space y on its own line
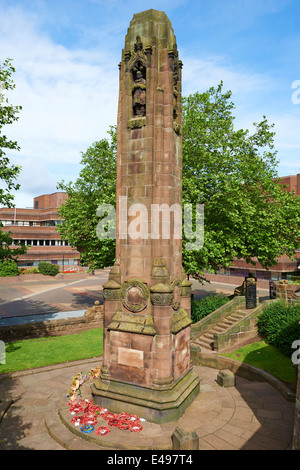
223, 418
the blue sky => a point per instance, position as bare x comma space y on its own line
66, 55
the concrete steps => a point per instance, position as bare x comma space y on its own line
206, 339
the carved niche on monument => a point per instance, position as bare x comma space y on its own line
147, 299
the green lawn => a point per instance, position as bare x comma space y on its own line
268, 358
30, 353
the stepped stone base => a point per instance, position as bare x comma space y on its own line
157, 405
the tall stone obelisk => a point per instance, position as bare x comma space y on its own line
146, 353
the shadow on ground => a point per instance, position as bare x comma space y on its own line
272, 423
12, 426
85, 300
27, 307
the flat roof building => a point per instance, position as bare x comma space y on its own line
285, 267
37, 228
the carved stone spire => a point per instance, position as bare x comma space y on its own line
147, 302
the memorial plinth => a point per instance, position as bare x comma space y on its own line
146, 333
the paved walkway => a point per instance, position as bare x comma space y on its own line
50, 296
251, 415
22, 297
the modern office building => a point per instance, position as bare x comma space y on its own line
37, 228
285, 267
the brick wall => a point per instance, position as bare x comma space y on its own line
47, 201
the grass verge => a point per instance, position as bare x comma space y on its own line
39, 352
268, 358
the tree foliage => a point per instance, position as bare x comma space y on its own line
247, 214
8, 171
95, 185
9, 250
8, 115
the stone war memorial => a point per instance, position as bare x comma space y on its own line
147, 299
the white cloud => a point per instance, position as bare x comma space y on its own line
254, 95
200, 75
69, 95
287, 132
69, 100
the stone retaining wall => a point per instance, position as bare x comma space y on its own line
222, 312
47, 328
290, 292
241, 369
242, 329
93, 318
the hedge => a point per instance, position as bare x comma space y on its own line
279, 325
8, 268
48, 269
203, 307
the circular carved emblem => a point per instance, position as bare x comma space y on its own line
134, 295
176, 294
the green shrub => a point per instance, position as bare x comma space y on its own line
203, 307
295, 279
33, 271
48, 269
279, 325
8, 268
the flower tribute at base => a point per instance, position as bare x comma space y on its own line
86, 414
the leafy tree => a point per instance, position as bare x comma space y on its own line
232, 172
8, 114
10, 250
95, 185
8, 171
247, 214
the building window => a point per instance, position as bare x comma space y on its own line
275, 276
